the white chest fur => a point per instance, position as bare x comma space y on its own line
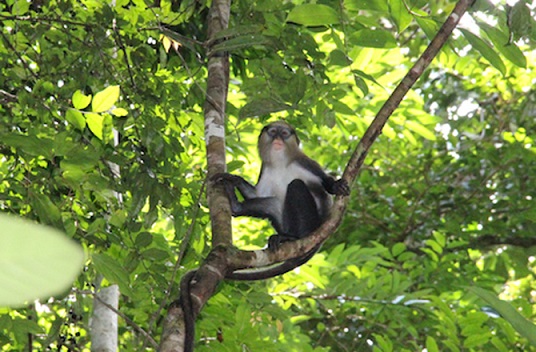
275, 180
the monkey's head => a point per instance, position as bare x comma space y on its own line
278, 140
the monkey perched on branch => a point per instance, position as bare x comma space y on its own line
293, 192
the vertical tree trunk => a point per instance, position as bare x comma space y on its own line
204, 281
104, 320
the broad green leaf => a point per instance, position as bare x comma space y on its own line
112, 271
500, 41
237, 31
75, 118
400, 14
429, 26
242, 42
95, 124
37, 261
519, 20
105, 99
80, 100
20, 7
260, 107
431, 344
373, 39
313, 15
485, 49
143, 239
524, 327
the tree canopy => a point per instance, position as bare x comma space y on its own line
102, 137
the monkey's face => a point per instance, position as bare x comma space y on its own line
277, 137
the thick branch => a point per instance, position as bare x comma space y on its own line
202, 283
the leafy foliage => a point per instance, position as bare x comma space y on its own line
101, 136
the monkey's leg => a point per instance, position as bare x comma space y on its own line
300, 215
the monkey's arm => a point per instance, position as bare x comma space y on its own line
264, 208
246, 189
337, 187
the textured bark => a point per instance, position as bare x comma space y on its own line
206, 279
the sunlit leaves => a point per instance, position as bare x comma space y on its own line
80, 100
98, 120
105, 99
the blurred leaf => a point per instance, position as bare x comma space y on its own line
509, 313
260, 107
485, 49
500, 41
243, 42
37, 261
120, 112
400, 14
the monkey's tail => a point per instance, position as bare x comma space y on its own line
188, 311
272, 271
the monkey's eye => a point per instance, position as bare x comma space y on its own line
285, 133
272, 131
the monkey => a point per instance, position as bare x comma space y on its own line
292, 192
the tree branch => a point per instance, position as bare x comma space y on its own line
198, 286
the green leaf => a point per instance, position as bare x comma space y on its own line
360, 5
119, 112
113, 271
431, 344
420, 130
485, 49
144, 239
400, 14
75, 118
80, 100
373, 39
500, 41
105, 99
519, 20
260, 107
524, 327
242, 42
95, 124
37, 261
313, 15
20, 7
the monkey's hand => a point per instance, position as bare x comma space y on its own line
226, 178
338, 187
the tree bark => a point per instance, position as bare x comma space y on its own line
203, 283
104, 320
